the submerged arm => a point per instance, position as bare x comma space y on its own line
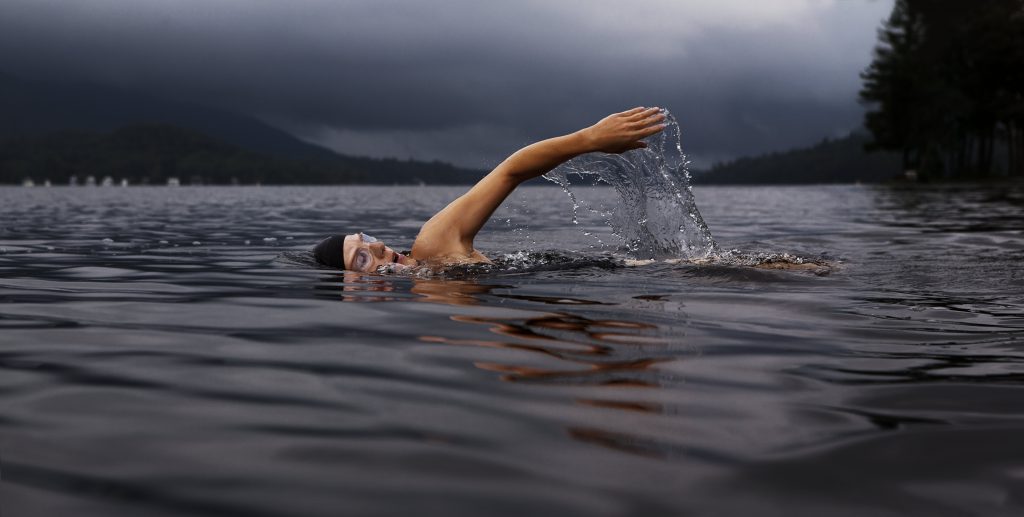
452, 230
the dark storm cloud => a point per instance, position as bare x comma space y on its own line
469, 81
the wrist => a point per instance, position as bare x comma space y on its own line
584, 141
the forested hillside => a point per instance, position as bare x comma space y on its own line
830, 161
154, 153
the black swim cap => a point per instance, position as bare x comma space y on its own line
329, 251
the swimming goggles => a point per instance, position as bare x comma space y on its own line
362, 260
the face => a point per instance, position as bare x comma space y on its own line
364, 253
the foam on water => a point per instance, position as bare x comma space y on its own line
655, 215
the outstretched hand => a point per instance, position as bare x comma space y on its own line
621, 132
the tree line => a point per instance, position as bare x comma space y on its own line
946, 88
154, 153
839, 160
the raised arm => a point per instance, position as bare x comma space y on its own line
451, 231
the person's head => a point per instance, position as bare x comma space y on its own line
357, 252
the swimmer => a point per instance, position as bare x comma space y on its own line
447, 238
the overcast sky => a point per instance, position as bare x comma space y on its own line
469, 81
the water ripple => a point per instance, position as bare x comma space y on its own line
177, 352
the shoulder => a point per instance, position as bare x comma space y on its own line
441, 242
436, 241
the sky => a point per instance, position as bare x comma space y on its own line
469, 81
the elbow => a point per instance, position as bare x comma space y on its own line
510, 175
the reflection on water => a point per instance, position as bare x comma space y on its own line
589, 346
557, 348
586, 352
145, 374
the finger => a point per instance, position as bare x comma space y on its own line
651, 130
638, 145
651, 119
644, 113
633, 111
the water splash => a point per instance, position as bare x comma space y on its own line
656, 215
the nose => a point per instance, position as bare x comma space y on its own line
377, 248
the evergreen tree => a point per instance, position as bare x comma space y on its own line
946, 86
892, 84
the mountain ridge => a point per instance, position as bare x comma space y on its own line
49, 117
37, 107
156, 153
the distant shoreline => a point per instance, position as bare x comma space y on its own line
942, 183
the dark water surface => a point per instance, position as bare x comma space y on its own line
174, 352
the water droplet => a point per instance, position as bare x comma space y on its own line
269, 239
196, 243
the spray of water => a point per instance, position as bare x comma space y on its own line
655, 215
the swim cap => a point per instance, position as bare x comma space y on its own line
329, 251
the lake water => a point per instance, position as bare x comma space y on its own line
175, 352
